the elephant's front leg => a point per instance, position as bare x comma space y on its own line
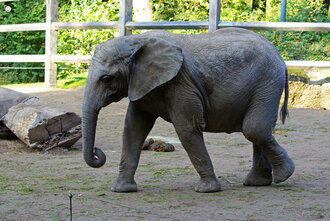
137, 126
193, 142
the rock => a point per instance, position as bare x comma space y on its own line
325, 96
309, 88
303, 95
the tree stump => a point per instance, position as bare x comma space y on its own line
37, 124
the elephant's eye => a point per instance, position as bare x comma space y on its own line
106, 78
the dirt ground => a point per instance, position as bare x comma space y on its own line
34, 185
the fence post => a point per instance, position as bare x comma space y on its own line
214, 14
125, 15
51, 43
283, 10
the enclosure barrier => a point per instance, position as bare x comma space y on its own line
126, 25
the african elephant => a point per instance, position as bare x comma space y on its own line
230, 80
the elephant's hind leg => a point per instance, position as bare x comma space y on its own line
261, 172
257, 127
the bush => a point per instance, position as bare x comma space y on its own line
20, 43
300, 45
70, 42
83, 42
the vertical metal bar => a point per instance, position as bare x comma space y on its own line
283, 10
51, 43
125, 15
70, 208
214, 14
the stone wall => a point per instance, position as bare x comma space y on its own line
309, 89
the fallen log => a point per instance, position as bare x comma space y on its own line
37, 124
8, 98
5, 133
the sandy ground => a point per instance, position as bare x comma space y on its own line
34, 185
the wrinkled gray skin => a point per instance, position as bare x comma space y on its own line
230, 80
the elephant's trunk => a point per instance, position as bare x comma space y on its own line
93, 156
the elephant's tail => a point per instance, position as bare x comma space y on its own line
284, 110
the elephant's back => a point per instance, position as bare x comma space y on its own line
235, 57
231, 47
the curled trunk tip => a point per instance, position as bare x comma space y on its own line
95, 160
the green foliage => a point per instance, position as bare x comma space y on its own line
292, 45
182, 10
307, 11
300, 45
83, 42
23, 11
20, 43
70, 42
238, 10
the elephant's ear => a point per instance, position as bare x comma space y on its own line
155, 63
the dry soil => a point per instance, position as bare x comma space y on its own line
34, 185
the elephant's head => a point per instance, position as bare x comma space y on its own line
127, 66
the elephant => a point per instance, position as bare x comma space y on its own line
229, 80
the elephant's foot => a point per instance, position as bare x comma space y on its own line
122, 186
258, 177
208, 186
283, 168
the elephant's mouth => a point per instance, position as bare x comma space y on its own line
118, 95
115, 97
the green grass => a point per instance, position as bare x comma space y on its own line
69, 82
173, 172
298, 72
39, 84
72, 82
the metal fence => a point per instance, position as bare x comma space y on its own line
126, 25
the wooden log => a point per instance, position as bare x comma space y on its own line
37, 124
5, 133
8, 98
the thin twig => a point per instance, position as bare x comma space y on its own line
226, 179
